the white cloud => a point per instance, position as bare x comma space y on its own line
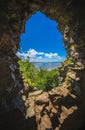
40, 56
22, 55
50, 55
32, 53
29, 54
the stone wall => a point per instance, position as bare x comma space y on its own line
70, 16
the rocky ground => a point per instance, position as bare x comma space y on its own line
45, 110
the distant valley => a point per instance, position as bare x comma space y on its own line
46, 65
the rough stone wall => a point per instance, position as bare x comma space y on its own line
70, 16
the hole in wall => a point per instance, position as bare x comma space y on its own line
41, 41
41, 45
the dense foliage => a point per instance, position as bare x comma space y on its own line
41, 79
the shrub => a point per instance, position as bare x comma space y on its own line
41, 79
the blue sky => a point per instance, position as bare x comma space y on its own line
41, 40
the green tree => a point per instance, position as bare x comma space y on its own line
29, 72
41, 79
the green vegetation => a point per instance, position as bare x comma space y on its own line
41, 79
70, 60
67, 62
72, 47
68, 81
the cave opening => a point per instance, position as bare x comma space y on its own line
42, 42
41, 52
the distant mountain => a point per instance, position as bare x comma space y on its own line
46, 65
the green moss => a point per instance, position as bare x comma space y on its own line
70, 60
68, 81
72, 47
65, 63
